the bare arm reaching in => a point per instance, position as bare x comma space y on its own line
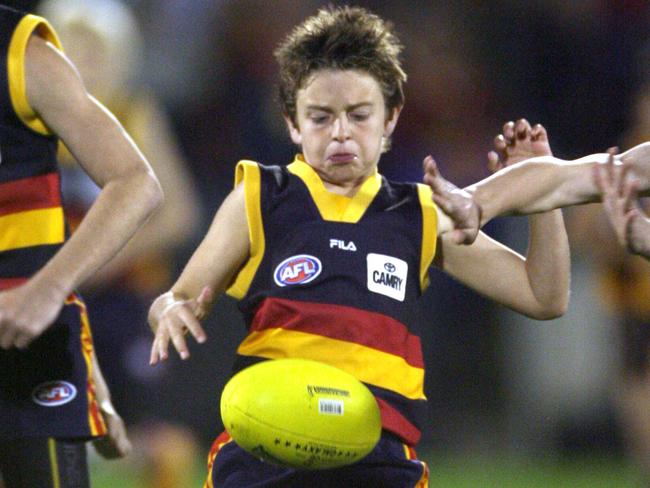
541, 183
536, 285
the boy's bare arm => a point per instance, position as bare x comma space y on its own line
545, 183
130, 192
208, 273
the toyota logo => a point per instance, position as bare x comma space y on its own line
390, 267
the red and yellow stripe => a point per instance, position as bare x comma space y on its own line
223, 439
31, 212
95, 419
375, 348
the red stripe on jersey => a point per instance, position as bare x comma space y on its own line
350, 324
393, 421
30, 194
6, 283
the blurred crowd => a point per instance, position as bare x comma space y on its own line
196, 80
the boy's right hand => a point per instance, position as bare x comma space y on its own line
620, 200
519, 141
171, 318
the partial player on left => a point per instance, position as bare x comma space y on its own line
52, 395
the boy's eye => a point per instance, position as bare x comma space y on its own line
318, 118
359, 116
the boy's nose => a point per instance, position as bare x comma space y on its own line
341, 128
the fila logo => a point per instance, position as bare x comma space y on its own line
345, 246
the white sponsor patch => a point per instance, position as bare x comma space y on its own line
387, 275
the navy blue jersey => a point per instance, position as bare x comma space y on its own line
32, 226
334, 279
47, 389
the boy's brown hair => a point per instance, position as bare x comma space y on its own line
340, 38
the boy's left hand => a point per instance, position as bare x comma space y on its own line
519, 141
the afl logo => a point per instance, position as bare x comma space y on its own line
297, 270
54, 393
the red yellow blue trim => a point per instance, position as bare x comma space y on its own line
95, 420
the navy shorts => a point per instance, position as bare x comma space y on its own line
391, 464
47, 390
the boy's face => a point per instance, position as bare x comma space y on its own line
341, 121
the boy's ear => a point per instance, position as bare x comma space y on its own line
391, 122
294, 131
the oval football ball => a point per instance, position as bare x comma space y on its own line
301, 413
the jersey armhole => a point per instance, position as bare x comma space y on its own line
248, 173
429, 233
16, 68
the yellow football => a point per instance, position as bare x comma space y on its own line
301, 413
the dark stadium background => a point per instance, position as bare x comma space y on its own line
578, 67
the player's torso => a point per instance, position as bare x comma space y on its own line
32, 225
337, 282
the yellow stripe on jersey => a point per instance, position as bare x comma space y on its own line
16, 68
249, 173
54, 463
429, 233
334, 207
366, 364
32, 228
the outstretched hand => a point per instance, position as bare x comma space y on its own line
171, 319
457, 203
519, 141
620, 200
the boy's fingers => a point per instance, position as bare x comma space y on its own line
178, 339
509, 131
493, 161
191, 323
538, 133
522, 129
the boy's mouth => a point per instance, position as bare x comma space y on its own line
342, 157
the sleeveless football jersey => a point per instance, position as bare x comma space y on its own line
47, 389
334, 279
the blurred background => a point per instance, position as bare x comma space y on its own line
513, 401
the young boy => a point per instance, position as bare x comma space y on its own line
327, 257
